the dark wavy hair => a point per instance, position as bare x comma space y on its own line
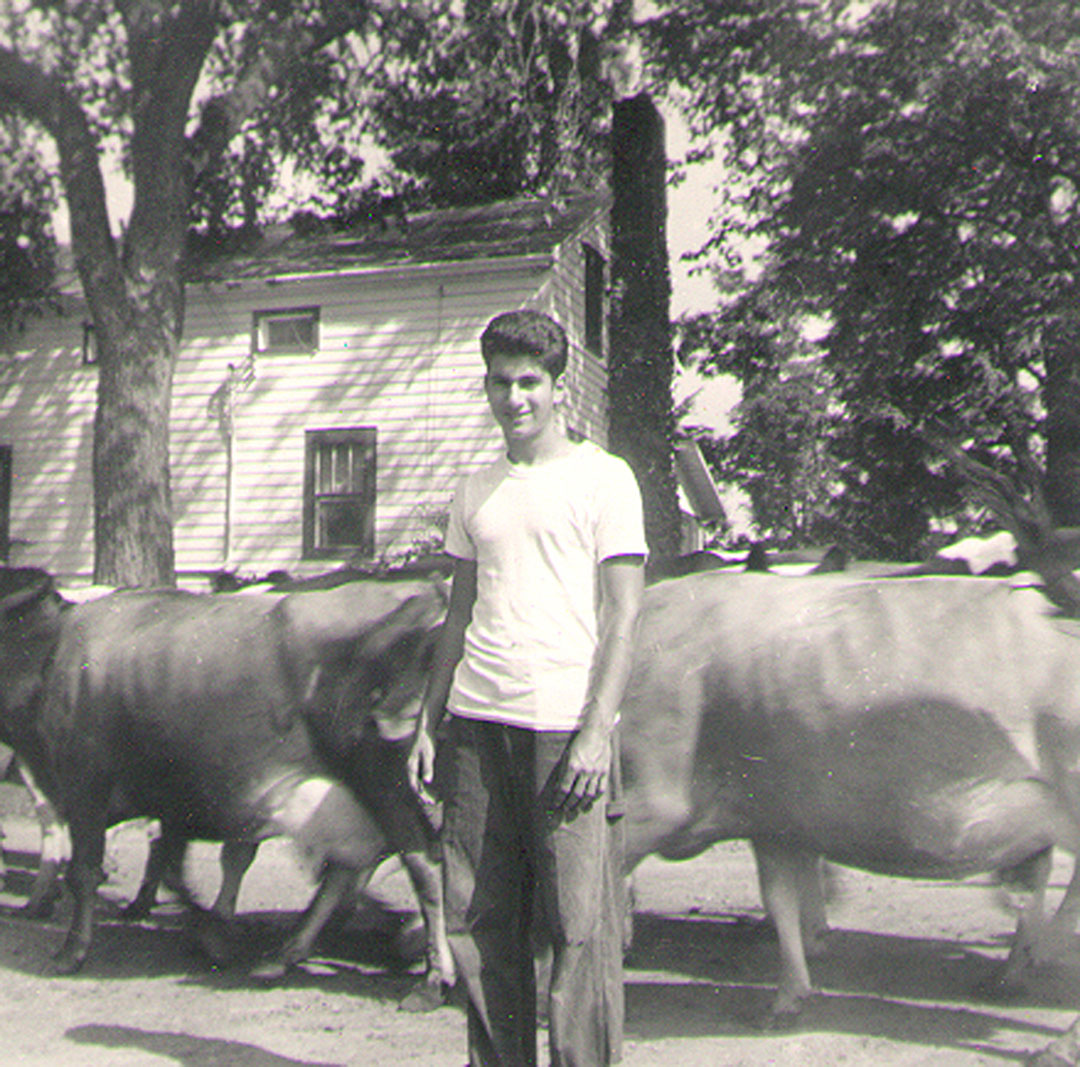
526, 333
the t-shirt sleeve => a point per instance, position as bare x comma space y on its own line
620, 524
458, 541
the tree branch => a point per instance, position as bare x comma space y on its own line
1052, 552
27, 90
273, 50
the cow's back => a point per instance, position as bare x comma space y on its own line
795, 706
179, 700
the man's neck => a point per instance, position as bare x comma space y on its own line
547, 446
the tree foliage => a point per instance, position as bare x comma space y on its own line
28, 253
914, 179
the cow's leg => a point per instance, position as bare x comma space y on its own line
1033, 875
425, 873
812, 919
164, 862
84, 875
236, 858
329, 827
336, 882
781, 872
1062, 926
55, 850
378, 774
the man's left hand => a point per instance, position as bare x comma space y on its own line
585, 774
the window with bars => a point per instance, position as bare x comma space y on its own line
339, 492
286, 331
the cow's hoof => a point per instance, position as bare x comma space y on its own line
426, 996
785, 1012
135, 912
269, 971
66, 962
212, 938
39, 909
780, 1021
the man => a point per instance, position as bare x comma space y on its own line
549, 549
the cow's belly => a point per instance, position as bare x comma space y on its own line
954, 832
927, 788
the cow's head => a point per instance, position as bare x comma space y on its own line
30, 615
382, 680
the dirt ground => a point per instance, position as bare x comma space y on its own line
904, 980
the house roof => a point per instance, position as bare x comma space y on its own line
697, 483
486, 231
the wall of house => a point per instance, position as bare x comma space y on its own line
563, 297
47, 401
398, 352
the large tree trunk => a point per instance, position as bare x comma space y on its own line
133, 536
1062, 397
641, 364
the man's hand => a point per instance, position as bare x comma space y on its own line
585, 776
421, 764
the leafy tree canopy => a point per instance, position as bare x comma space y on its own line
913, 175
28, 253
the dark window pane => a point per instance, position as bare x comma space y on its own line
340, 523
296, 333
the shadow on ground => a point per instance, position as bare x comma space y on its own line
183, 1048
926, 991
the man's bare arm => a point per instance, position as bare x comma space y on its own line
585, 777
448, 652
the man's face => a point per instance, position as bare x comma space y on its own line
522, 396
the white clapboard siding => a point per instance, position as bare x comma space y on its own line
47, 401
398, 351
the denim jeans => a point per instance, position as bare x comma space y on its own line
519, 879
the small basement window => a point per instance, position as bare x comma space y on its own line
339, 493
288, 331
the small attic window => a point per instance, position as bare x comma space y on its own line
89, 345
594, 300
287, 331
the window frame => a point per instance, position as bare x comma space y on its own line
89, 345
260, 338
367, 438
7, 467
594, 289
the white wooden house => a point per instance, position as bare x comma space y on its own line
327, 395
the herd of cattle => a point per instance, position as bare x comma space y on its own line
915, 726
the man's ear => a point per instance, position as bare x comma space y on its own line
559, 390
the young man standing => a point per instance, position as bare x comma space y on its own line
548, 546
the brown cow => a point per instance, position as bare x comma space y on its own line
925, 727
225, 718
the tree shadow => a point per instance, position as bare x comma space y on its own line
183, 1048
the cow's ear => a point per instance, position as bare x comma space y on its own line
23, 589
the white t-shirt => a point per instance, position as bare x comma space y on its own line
538, 533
